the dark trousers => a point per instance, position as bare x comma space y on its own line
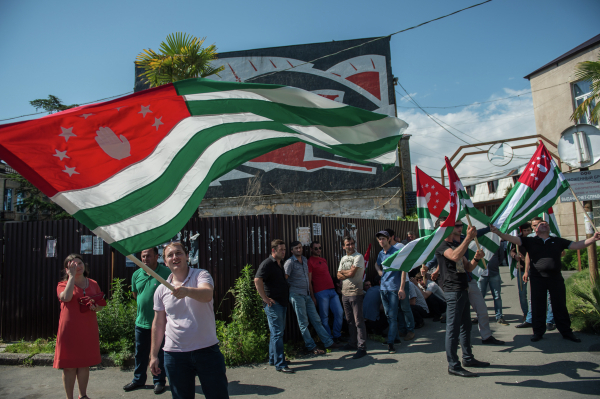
143, 341
419, 314
458, 327
558, 297
353, 308
436, 306
206, 363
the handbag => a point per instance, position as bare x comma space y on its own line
86, 302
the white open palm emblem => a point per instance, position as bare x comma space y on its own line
115, 147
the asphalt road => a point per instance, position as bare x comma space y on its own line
551, 368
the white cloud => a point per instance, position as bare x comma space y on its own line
407, 98
489, 121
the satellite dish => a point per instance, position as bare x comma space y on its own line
500, 154
579, 146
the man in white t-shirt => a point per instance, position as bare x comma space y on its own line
191, 344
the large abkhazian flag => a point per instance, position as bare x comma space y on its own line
416, 252
134, 169
537, 189
551, 219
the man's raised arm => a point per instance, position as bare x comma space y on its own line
507, 237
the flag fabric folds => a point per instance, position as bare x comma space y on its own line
416, 252
134, 169
540, 184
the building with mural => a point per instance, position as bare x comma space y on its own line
300, 179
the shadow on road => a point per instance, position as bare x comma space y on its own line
583, 387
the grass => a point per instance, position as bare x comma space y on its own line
33, 348
584, 315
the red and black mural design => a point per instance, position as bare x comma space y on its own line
360, 77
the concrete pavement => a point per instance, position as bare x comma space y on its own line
551, 368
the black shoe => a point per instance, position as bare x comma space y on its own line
342, 338
475, 363
571, 337
524, 325
461, 372
474, 320
443, 320
359, 353
536, 338
420, 325
391, 348
492, 341
286, 370
159, 388
132, 386
437, 318
348, 347
550, 327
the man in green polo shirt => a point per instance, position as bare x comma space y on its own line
143, 286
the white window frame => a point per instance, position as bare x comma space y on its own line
581, 97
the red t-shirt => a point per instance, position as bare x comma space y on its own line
321, 279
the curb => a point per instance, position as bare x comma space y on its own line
47, 359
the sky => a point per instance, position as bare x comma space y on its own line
85, 51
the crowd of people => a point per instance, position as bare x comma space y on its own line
176, 331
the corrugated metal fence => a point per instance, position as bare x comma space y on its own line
29, 307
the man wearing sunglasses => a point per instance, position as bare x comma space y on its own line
544, 272
454, 266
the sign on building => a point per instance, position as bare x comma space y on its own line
586, 185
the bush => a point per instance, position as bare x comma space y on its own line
246, 338
583, 302
116, 323
569, 261
39, 346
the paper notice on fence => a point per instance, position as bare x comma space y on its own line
98, 246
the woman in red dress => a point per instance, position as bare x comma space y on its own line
77, 340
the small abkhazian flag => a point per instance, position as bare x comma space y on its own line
512, 263
416, 252
134, 169
367, 254
537, 189
551, 219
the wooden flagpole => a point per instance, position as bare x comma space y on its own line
150, 272
583, 209
476, 240
519, 271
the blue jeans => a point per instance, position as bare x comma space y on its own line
143, 341
329, 299
523, 297
549, 314
390, 300
306, 311
458, 327
276, 318
206, 363
406, 320
494, 283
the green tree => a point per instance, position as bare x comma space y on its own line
51, 104
181, 56
589, 71
35, 203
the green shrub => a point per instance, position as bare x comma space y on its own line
39, 346
569, 261
245, 339
583, 302
116, 323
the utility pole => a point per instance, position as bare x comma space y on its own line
589, 232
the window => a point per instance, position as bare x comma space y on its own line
515, 179
20, 207
8, 199
492, 186
582, 91
470, 190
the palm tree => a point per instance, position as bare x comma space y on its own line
181, 57
589, 71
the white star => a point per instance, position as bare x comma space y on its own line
157, 122
118, 108
85, 116
70, 171
531, 169
533, 174
436, 193
536, 178
451, 204
61, 154
452, 193
543, 156
427, 185
434, 207
145, 110
436, 201
66, 133
538, 157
